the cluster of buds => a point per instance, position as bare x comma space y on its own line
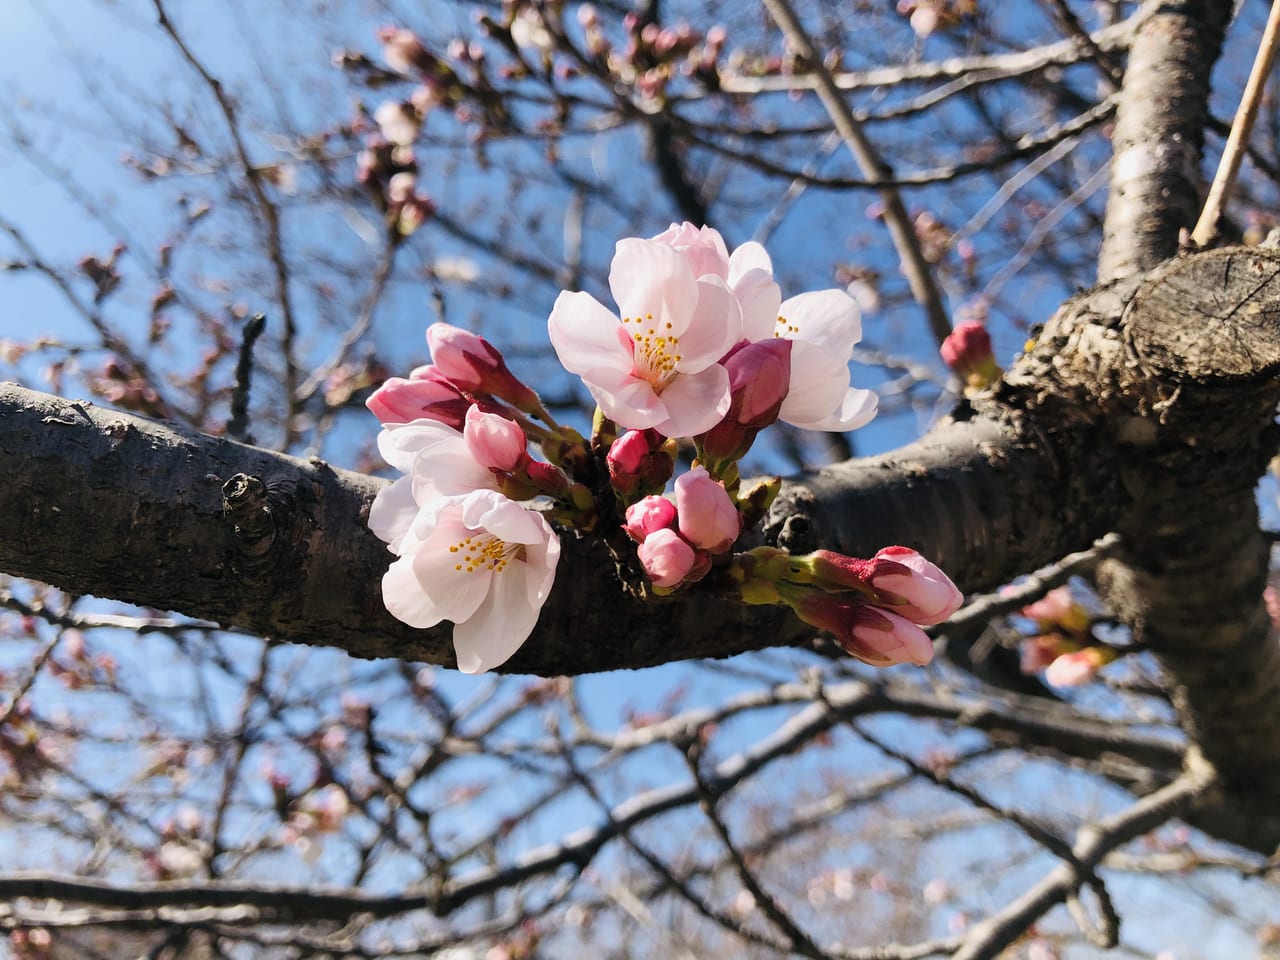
389, 173
1063, 645
677, 541
874, 608
703, 348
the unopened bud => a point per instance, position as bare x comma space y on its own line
967, 351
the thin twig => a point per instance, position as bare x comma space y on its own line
270, 212
919, 273
986, 939
1036, 585
238, 425
1233, 153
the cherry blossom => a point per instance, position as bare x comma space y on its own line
657, 365
480, 560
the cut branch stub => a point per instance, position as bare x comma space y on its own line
1212, 318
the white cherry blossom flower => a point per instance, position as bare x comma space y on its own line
823, 326
482, 561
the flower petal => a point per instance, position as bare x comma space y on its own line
392, 512
695, 402
501, 516
857, 409
649, 277
827, 318
715, 327
585, 335
819, 382
761, 300
626, 400
448, 470
498, 628
400, 443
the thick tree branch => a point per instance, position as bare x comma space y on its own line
1159, 132
102, 502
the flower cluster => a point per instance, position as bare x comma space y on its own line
1064, 645
702, 347
467, 549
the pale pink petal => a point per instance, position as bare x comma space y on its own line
819, 382
585, 335
448, 470
695, 402
392, 512
649, 279
747, 257
827, 318
857, 409
404, 597
499, 626
502, 517
761, 299
541, 558
626, 400
399, 444
425, 587
716, 326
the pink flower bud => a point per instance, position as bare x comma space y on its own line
665, 557
925, 596
638, 464
400, 401
967, 351
1074, 669
1056, 610
648, 516
872, 634
759, 378
495, 442
707, 515
627, 453
476, 366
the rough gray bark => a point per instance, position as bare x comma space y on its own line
1190, 579
1159, 132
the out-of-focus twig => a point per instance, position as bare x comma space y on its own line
919, 273
1233, 153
